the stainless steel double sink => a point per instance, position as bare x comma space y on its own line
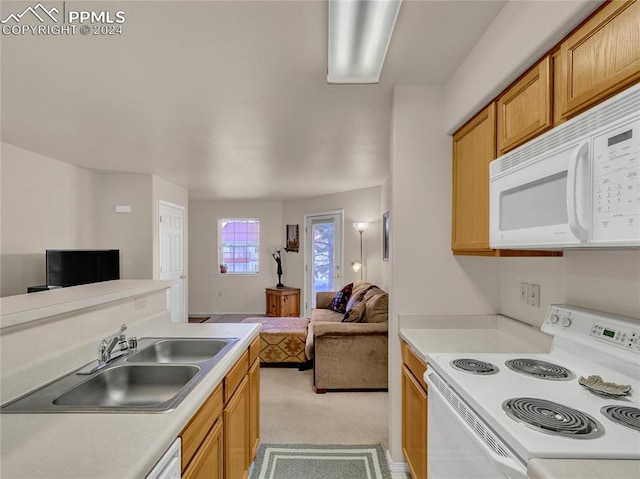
155, 378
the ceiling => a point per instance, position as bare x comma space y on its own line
226, 98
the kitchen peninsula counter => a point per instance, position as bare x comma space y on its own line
49, 334
111, 445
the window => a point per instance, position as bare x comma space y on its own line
239, 245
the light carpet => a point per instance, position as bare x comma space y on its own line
291, 412
297, 461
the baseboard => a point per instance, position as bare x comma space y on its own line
396, 466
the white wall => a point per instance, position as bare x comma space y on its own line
425, 277
213, 292
604, 280
49, 204
131, 233
358, 205
546, 272
46, 204
522, 32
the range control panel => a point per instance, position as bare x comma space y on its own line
599, 330
626, 338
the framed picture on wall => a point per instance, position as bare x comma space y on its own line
293, 238
385, 236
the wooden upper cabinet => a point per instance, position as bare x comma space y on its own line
524, 110
602, 57
474, 147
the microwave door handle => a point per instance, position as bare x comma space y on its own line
578, 230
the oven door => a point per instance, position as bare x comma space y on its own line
456, 450
543, 202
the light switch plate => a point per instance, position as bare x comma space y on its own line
524, 293
534, 295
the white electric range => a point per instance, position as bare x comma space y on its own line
490, 413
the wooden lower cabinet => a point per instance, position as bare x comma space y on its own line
208, 461
236, 433
221, 439
196, 432
414, 414
254, 409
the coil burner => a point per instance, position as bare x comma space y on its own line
474, 366
552, 418
539, 369
625, 415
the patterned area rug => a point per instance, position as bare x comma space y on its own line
308, 461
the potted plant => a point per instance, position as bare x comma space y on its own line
223, 268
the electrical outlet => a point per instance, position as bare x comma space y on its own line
524, 293
534, 295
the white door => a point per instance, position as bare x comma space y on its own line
171, 257
323, 255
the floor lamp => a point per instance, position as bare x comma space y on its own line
356, 264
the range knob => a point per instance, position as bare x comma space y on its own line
566, 321
554, 318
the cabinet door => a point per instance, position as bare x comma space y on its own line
414, 425
273, 304
602, 57
236, 434
524, 109
290, 304
474, 147
208, 461
254, 409
194, 434
295, 304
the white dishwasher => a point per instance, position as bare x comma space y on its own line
168, 467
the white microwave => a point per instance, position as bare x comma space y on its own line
576, 186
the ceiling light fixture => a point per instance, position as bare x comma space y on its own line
359, 36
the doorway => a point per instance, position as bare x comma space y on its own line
171, 257
323, 255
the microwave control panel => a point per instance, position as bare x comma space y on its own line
616, 185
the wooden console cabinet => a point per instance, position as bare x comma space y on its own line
282, 302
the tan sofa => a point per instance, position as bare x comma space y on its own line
350, 355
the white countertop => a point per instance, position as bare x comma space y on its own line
507, 336
109, 445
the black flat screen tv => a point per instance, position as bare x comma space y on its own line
75, 267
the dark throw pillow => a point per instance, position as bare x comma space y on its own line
339, 302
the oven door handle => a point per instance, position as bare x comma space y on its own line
581, 152
510, 466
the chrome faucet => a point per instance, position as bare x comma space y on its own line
109, 343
